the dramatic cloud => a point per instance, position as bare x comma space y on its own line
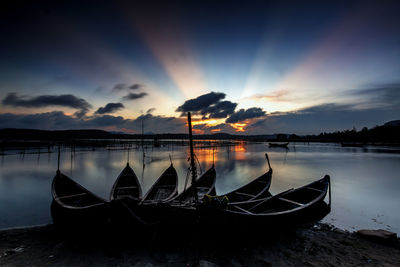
110, 108
209, 106
133, 96
201, 102
71, 101
243, 115
219, 110
124, 86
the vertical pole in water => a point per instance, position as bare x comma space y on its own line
192, 163
143, 154
269, 165
127, 162
329, 180
58, 160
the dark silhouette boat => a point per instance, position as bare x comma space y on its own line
256, 189
126, 186
74, 206
204, 185
283, 145
284, 208
129, 210
165, 188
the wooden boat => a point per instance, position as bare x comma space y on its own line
256, 189
284, 145
181, 212
126, 186
204, 185
284, 208
74, 206
181, 209
165, 188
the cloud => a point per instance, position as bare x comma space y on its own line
133, 96
381, 95
136, 86
219, 110
160, 124
70, 101
150, 110
209, 106
124, 86
105, 121
222, 127
110, 108
201, 102
243, 115
57, 120
119, 87
327, 117
282, 95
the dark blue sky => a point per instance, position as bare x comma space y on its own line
279, 66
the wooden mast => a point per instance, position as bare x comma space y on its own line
192, 163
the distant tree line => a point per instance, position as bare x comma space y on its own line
387, 133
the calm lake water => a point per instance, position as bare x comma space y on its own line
365, 181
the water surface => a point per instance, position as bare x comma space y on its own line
365, 181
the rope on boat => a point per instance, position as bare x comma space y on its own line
213, 154
198, 162
186, 179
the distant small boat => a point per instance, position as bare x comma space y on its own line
258, 188
346, 144
126, 186
284, 145
165, 188
204, 185
74, 205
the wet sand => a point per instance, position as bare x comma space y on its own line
316, 245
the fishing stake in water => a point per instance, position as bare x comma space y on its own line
192, 163
58, 160
269, 165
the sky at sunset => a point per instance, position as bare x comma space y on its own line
245, 67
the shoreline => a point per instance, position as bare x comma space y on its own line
313, 245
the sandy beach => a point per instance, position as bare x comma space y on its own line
312, 245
